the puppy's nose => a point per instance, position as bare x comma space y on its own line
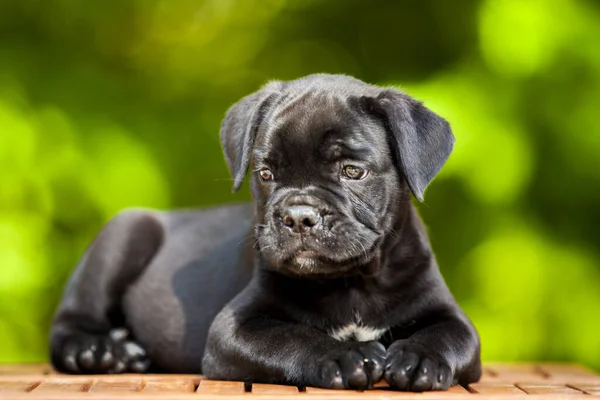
301, 218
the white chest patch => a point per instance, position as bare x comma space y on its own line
357, 332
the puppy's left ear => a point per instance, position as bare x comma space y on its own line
422, 139
239, 128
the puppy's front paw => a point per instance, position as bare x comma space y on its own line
412, 367
97, 354
359, 367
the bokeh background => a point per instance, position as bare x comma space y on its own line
111, 104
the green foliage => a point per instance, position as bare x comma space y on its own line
110, 104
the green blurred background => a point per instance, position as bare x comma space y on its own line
111, 104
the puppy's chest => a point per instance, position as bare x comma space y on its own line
363, 323
349, 314
357, 331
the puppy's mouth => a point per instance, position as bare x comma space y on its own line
304, 259
305, 254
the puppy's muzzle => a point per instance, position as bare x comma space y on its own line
300, 213
301, 219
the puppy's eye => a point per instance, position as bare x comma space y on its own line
354, 172
265, 175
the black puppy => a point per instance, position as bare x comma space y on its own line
330, 281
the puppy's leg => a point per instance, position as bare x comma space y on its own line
252, 346
443, 351
88, 335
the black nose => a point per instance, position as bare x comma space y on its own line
301, 219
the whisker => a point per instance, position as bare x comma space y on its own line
395, 234
364, 250
244, 239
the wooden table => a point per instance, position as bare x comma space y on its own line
499, 381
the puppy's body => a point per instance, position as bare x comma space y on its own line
205, 260
330, 267
167, 274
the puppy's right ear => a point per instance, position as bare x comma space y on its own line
239, 128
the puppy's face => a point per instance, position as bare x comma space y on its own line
325, 185
333, 160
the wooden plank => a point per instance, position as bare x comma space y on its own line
511, 373
570, 373
382, 394
220, 387
547, 389
151, 377
570, 380
17, 386
588, 389
63, 385
457, 390
376, 393
326, 392
261, 389
381, 384
495, 389
384, 391
380, 389
488, 375
109, 385
453, 392
24, 369
169, 385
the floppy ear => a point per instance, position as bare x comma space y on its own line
422, 139
239, 128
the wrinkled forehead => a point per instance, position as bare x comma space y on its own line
318, 124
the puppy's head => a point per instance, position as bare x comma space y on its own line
333, 161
